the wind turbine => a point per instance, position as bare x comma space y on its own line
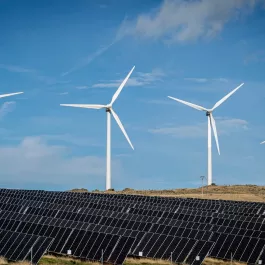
211, 124
11, 94
109, 111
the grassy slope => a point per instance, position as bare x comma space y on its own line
51, 260
236, 192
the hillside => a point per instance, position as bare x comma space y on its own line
235, 192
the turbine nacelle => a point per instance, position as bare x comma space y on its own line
108, 107
209, 112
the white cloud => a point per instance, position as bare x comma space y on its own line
225, 126
81, 87
205, 80
257, 56
67, 138
33, 73
16, 69
197, 80
90, 58
7, 107
64, 93
140, 79
33, 160
181, 20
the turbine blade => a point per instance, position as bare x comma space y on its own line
214, 131
226, 97
262, 142
11, 94
189, 104
115, 96
84, 106
121, 127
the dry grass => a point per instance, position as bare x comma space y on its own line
52, 260
145, 261
207, 261
19, 263
210, 261
48, 260
2, 261
236, 192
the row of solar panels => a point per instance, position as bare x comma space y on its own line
87, 244
19, 247
102, 206
156, 220
138, 217
94, 246
90, 244
133, 198
185, 232
140, 206
27, 204
67, 196
127, 221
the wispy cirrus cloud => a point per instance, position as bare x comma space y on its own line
6, 108
225, 126
90, 58
34, 74
140, 79
16, 69
257, 56
64, 93
50, 80
180, 21
81, 87
205, 80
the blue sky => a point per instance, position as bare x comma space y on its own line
78, 52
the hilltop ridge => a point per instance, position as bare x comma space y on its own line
253, 193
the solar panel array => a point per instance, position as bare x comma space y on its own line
110, 227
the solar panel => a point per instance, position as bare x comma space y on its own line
19, 247
197, 227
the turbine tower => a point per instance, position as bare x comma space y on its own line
109, 111
211, 125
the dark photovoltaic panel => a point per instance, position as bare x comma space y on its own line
19, 247
186, 230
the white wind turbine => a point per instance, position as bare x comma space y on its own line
11, 94
109, 111
211, 124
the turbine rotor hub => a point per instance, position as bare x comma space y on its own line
108, 109
208, 113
